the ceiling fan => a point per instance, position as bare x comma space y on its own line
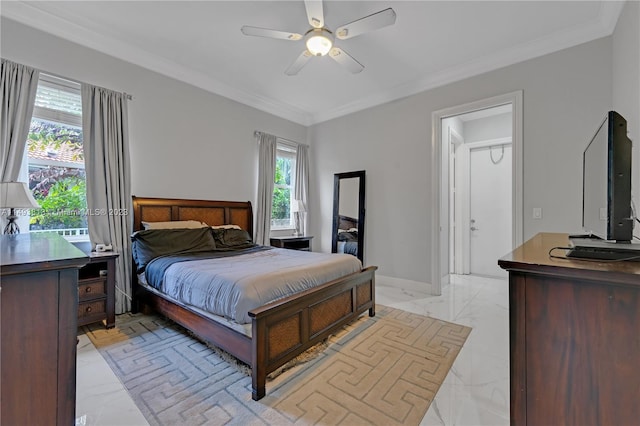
319, 39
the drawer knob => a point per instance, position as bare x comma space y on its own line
88, 309
88, 290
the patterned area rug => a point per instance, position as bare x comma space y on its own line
384, 370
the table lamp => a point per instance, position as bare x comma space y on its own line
15, 195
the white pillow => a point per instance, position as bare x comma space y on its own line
340, 231
175, 224
225, 227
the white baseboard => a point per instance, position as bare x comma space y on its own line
382, 280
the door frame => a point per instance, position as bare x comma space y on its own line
458, 186
437, 248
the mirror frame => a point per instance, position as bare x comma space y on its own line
360, 174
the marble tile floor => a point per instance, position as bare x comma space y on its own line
475, 392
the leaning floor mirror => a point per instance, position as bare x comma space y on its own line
348, 213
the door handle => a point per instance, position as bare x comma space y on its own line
473, 228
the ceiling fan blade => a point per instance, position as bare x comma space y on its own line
315, 13
264, 32
300, 62
346, 60
368, 23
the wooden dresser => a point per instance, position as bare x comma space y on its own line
574, 337
38, 327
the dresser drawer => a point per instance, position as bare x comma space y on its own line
88, 309
91, 289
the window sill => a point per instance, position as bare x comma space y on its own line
281, 232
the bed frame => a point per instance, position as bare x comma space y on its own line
346, 222
280, 330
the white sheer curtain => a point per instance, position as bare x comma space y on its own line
106, 151
18, 86
267, 146
302, 185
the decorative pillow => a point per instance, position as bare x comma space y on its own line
231, 239
225, 227
151, 243
175, 224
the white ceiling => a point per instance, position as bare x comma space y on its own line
432, 43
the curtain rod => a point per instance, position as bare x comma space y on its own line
258, 133
127, 95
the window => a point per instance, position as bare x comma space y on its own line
283, 189
56, 160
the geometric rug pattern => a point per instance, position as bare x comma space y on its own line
384, 370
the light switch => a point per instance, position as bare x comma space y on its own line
603, 213
537, 213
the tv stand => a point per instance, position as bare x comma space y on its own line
574, 346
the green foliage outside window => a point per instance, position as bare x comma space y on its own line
281, 194
281, 205
60, 191
44, 135
63, 206
280, 208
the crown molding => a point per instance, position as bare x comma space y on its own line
32, 16
603, 26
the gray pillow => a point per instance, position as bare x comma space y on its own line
232, 239
151, 243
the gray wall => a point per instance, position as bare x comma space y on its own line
482, 129
565, 95
182, 137
626, 82
185, 142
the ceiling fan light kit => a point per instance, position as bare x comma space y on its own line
319, 40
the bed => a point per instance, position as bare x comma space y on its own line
280, 330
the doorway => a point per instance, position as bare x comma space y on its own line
488, 203
477, 192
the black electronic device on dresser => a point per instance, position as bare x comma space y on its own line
97, 287
292, 242
607, 213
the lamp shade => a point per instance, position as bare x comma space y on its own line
297, 206
16, 195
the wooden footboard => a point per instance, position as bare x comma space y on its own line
280, 330
284, 329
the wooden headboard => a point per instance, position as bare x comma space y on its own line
346, 222
211, 212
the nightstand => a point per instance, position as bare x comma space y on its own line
293, 243
97, 290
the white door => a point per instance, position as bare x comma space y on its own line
490, 208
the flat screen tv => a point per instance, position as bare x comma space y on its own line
606, 190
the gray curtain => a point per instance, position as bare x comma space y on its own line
302, 185
266, 174
18, 86
106, 151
